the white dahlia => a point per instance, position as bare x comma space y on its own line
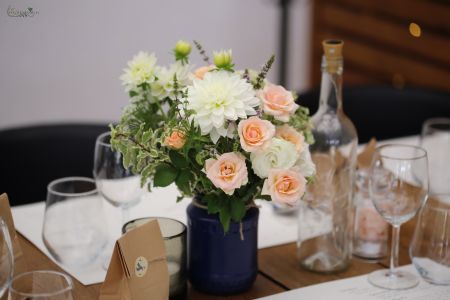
164, 85
219, 98
141, 69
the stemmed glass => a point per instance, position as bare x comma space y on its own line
398, 187
6, 258
73, 229
118, 185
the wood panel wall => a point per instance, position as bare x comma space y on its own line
379, 47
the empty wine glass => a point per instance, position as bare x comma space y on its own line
118, 185
41, 285
435, 139
74, 230
430, 245
6, 258
398, 187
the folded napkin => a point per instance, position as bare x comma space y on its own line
138, 268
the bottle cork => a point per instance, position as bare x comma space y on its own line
333, 54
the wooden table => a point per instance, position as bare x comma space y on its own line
278, 270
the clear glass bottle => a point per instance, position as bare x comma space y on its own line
325, 217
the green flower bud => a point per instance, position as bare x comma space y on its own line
222, 59
182, 49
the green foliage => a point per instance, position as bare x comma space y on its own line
165, 174
302, 122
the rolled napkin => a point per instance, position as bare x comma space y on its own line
20, 264
138, 268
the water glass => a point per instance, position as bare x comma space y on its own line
6, 258
74, 224
174, 235
41, 285
435, 139
398, 188
430, 245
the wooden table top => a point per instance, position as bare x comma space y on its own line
278, 270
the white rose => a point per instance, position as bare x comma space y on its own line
305, 164
280, 154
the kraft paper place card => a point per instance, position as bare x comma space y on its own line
20, 265
138, 268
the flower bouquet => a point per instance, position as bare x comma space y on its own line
223, 135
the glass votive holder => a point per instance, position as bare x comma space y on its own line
430, 245
174, 235
41, 285
370, 230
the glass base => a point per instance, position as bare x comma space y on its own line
399, 280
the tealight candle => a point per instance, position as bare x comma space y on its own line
174, 234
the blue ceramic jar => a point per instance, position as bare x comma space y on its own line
220, 263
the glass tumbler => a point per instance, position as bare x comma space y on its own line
41, 285
370, 231
435, 139
430, 245
174, 235
74, 226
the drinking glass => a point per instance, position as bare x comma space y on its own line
430, 245
6, 258
118, 185
41, 285
74, 230
398, 187
435, 139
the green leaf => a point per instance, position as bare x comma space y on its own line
165, 174
183, 181
237, 210
225, 217
214, 203
178, 160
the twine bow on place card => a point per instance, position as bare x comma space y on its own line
20, 264
138, 268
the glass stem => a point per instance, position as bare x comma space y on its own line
394, 249
125, 217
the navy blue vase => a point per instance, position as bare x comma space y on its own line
220, 263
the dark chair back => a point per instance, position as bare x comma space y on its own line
31, 157
385, 112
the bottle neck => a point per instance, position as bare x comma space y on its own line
331, 86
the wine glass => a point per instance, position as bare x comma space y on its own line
398, 187
435, 139
118, 185
430, 245
6, 258
73, 230
41, 285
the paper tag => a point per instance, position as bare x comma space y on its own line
140, 266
